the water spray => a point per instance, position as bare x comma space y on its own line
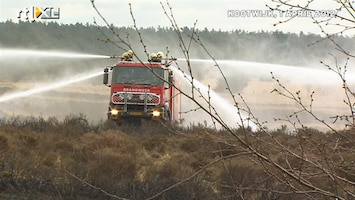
301, 74
225, 109
26, 53
49, 87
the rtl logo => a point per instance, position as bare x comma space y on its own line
39, 13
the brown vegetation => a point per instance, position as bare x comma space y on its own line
73, 159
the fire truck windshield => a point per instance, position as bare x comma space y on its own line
137, 75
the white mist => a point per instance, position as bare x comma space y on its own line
29, 53
50, 86
226, 111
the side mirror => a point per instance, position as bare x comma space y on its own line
105, 78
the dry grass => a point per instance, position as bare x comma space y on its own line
39, 159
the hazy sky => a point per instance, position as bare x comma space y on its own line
209, 13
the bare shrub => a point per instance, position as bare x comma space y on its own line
232, 164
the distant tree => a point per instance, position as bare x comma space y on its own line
236, 44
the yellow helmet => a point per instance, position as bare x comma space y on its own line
160, 55
153, 56
130, 52
125, 56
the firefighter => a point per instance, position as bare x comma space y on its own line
160, 56
130, 53
153, 57
127, 56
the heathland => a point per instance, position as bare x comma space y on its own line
71, 157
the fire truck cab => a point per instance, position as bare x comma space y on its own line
142, 90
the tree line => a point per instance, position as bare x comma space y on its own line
261, 46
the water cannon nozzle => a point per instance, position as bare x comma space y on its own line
114, 56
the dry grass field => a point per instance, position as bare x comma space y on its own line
74, 159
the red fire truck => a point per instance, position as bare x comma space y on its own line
142, 90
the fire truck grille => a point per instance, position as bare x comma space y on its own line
136, 98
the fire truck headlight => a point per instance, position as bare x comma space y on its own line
156, 113
121, 96
150, 97
142, 96
129, 96
114, 112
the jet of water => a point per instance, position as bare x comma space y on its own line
253, 81
49, 87
303, 74
27, 53
225, 109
